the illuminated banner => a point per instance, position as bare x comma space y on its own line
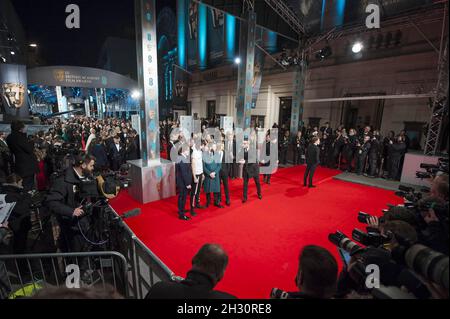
257, 74
244, 94
13, 90
180, 87
216, 37
148, 79
192, 33
298, 98
80, 77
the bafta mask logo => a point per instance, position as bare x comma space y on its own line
14, 94
59, 75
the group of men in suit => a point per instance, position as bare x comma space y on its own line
209, 165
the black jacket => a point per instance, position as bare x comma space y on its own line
22, 210
225, 169
101, 157
251, 166
25, 163
197, 285
64, 196
183, 173
312, 155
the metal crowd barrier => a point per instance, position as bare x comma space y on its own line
145, 267
132, 268
23, 275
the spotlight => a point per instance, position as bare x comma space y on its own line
33, 45
357, 47
324, 53
13, 53
3, 59
237, 60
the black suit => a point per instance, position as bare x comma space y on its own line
197, 285
25, 162
374, 156
250, 170
183, 180
224, 176
361, 156
116, 157
312, 160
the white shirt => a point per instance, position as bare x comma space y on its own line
118, 147
197, 161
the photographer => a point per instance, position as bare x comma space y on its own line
20, 219
435, 234
64, 199
316, 276
439, 187
395, 153
25, 164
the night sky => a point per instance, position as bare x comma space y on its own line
44, 24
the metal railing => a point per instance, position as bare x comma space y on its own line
145, 268
22, 275
131, 268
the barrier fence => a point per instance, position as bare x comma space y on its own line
131, 268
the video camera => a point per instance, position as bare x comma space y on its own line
433, 169
106, 185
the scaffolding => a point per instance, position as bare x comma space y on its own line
439, 106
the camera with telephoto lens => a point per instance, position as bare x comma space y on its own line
409, 194
342, 241
364, 218
279, 294
423, 260
433, 169
374, 239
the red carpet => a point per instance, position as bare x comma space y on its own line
262, 237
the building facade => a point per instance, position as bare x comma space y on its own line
396, 60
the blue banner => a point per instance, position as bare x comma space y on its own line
216, 36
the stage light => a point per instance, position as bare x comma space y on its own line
136, 94
237, 60
33, 45
13, 53
357, 47
3, 59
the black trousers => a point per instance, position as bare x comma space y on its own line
224, 181
257, 183
182, 197
298, 156
21, 236
373, 165
310, 170
196, 190
360, 163
283, 156
348, 161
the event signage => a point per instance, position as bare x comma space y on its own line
148, 79
298, 98
13, 90
244, 94
73, 76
